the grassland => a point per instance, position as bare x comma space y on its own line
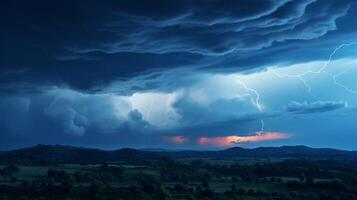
182, 179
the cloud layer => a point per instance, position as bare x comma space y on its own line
314, 107
98, 42
125, 73
186, 26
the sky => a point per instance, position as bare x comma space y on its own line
185, 74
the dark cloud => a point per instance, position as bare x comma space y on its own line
215, 28
66, 116
217, 112
65, 112
87, 44
68, 68
136, 120
314, 107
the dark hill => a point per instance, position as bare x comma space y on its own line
69, 154
291, 151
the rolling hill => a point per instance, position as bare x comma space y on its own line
70, 154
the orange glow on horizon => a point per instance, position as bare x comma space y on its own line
178, 139
231, 140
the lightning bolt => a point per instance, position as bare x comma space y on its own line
301, 77
334, 78
321, 70
256, 93
262, 124
256, 102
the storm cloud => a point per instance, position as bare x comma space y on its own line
92, 43
136, 73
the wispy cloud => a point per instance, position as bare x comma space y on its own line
314, 107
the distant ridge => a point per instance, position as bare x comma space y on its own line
70, 154
157, 150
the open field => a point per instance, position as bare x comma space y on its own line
182, 179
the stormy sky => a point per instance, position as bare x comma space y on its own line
186, 74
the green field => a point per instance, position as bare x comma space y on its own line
181, 179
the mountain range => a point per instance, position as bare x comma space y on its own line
70, 154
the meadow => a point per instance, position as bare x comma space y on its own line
182, 179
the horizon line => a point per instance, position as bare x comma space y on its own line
172, 149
